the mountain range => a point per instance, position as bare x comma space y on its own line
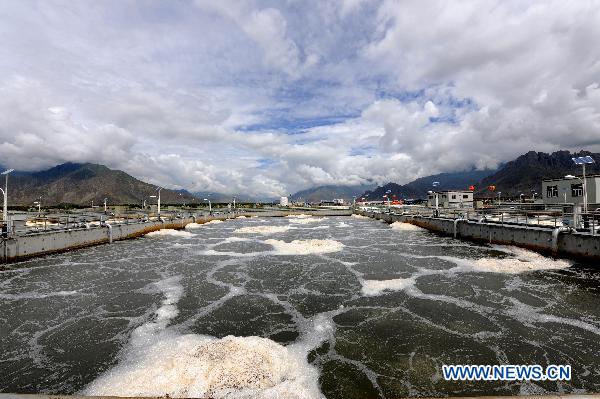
80, 184
522, 175
328, 193
419, 187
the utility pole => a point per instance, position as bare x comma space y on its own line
5, 192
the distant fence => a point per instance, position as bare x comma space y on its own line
556, 241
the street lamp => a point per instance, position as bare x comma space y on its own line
158, 201
5, 193
209, 206
39, 204
583, 161
105, 199
499, 192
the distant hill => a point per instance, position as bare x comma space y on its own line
526, 172
328, 193
419, 187
80, 184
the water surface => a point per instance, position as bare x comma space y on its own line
298, 307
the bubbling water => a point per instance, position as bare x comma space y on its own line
170, 232
264, 230
405, 227
305, 247
160, 361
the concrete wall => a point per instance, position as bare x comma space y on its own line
570, 245
20, 247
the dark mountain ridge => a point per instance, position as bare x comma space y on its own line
80, 184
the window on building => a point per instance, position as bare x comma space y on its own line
466, 196
577, 190
551, 191
453, 196
444, 196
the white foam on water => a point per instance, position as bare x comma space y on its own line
264, 230
161, 362
37, 295
355, 216
191, 226
519, 260
170, 232
527, 315
306, 220
214, 221
305, 247
342, 224
299, 216
406, 227
377, 287
241, 217
205, 367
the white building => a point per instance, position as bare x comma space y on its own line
338, 201
283, 201
569, 190
450, 199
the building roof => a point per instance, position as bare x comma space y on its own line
596, 176
452, 191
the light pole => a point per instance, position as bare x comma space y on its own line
209, 206
159, 189
5, 193
105, 199
39, 205
499, 192
583, 161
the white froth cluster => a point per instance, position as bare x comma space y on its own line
306, 220
405, 227
205, 367
161, 362
299, 216
214, 221
519, 261
377, 287
355, 216
265, 230
241, 217
305, 247
170, 232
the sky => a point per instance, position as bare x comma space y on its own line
265, 98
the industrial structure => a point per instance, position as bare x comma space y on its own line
450, 199
570, 190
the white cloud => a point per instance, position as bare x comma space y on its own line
268, 97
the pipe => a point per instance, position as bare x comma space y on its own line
110, 232
455, 225
555, 233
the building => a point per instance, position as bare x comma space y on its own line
569, 190
451, 199
338, 201
283, 201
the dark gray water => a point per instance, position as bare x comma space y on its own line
365, 311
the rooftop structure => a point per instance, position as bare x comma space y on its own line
569, 190
450, 199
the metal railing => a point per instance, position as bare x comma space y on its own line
549, 218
